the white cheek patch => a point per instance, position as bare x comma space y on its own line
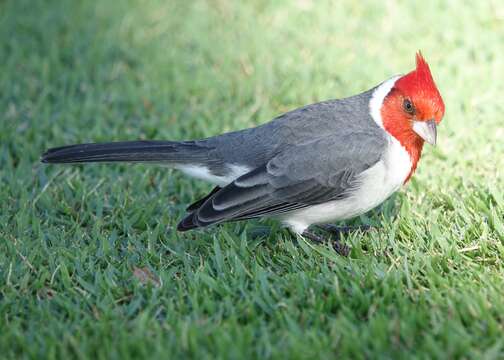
379, 95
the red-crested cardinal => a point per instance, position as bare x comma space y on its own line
328, 161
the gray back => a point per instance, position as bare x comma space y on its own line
336, 119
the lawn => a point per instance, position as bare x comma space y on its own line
90, 263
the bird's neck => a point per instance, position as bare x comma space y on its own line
400, 128
414, 148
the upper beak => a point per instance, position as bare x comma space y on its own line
426, 130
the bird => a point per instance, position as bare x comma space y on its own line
325, 162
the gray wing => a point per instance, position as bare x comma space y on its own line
303, 175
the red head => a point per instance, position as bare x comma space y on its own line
412, 109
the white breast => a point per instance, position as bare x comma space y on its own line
377, 184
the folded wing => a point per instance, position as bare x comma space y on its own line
301, 176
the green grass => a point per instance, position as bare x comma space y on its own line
428, 284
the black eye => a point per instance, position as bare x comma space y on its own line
408, 106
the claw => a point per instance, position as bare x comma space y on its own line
340, 248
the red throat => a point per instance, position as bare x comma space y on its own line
399, 127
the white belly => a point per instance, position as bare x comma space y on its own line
377, 184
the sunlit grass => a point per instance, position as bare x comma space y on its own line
428, 283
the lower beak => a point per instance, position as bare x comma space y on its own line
426, 130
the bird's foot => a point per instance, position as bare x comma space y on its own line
337, 245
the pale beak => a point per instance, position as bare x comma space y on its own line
426, 130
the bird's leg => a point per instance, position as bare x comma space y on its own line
340, 248
313, 237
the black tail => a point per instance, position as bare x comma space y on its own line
127, 151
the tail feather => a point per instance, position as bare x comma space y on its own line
127, 151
